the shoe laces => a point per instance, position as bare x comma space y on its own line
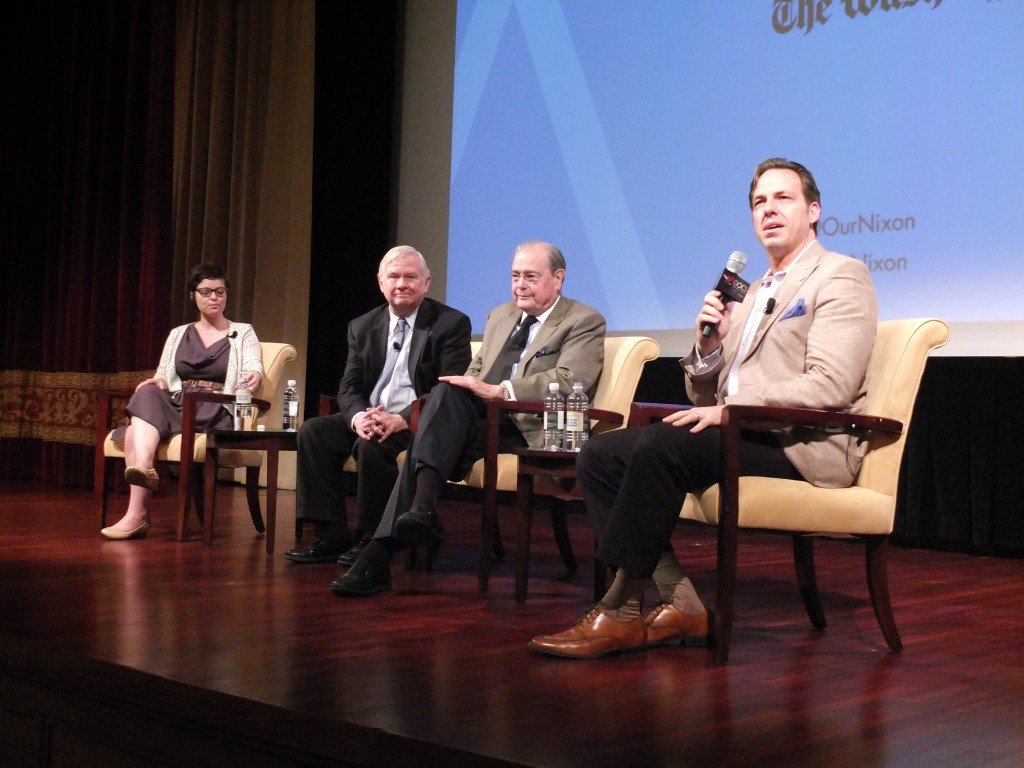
651, 617
590, 616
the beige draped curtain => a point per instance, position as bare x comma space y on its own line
243, 148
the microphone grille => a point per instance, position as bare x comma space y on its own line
737, 261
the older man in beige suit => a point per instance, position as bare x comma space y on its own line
537, 338
801, 337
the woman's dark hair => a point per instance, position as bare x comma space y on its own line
207, 272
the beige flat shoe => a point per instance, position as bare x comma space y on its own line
116, 535
147, 478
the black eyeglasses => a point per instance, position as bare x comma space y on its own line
205, 292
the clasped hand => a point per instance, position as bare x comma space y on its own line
375, 422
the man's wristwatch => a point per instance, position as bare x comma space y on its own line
506, 393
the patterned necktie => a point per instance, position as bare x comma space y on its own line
501, 369
389, 365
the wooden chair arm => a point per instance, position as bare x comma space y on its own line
105, 400
328, 405
770, 417
761, 418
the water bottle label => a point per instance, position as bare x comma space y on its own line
551, 422
574, 421
293, 408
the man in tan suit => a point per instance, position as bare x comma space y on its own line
537, 338
801, 337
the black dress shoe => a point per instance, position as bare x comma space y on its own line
352, 555
369, 574
419, 526
317, 552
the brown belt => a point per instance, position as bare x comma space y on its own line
215, 386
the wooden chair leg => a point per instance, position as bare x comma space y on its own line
102, 480
491, 548
806, 577
725, 600
428, 558
252, 495
877, 557
560, 526
197, 494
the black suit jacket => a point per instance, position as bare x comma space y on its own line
440, 347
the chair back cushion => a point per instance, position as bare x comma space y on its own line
894, 377
624, 361
275, 356
869, 506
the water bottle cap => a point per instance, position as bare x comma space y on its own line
291, 382
553, 386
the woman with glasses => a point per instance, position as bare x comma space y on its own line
209, 354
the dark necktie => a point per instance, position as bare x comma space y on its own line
501, 370
389, 365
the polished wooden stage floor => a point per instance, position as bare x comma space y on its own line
252, 655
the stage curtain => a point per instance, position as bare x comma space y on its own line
961, 483
85, 225
140, 139
222, 71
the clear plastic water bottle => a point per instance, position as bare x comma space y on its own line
290, 421
554, 418
577, 418
243, 405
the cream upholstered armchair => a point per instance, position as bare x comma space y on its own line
188, 449
624, 361
865, 511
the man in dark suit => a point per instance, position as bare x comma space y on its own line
537, 338
395, 354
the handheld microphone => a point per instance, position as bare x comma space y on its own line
769, 307
730, 285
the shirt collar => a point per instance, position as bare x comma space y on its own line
773, 277
542, 316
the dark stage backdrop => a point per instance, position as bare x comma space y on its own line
962, 478
354, 157
85, 226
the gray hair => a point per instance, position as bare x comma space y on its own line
555, 258
398, 252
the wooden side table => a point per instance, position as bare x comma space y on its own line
534, 463
271, 441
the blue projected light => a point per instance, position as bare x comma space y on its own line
627, 133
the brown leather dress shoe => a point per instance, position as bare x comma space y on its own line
595, 635
667, 625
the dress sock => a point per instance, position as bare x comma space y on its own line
428, 488
625, 596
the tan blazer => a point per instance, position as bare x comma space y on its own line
812, 351
568, 347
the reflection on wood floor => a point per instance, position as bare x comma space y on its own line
436, 672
